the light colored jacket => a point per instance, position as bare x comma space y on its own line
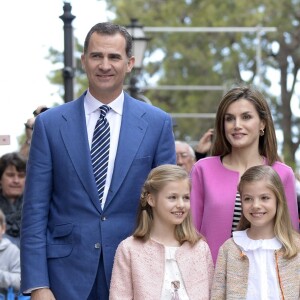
9, 266
231, 274
213, 195
139, 269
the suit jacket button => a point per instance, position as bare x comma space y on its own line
97, 246
103, 218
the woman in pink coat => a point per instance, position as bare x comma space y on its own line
165, 258
244, 136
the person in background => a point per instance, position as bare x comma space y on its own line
12, 182
165, 258
24, 150
244, 136
39, 110
203, 147
71, 226
9, 261
297, 177
262, 259
185, 155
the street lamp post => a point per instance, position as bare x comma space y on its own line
139, 45
68, 70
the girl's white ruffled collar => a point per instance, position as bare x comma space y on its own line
241, 239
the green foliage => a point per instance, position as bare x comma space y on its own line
214, 59
219, 58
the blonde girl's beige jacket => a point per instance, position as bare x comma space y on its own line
231, 274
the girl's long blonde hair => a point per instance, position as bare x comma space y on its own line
283, 228
155, 182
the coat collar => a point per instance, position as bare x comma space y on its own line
74, 134
133, 129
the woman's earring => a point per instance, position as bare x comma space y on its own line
261, 132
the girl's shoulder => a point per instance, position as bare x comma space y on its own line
197, 252
229, 246
200, 246
131, 242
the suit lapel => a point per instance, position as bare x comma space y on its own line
133, 129
74, 135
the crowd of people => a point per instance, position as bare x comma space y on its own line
102, 203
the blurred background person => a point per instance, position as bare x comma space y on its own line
25, 147
12, 182
10, 273
24, 150
203, 147
185, 155
297, 176
40, 109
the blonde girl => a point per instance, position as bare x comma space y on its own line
261, 260
165, 258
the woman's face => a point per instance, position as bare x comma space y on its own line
242, 124
12, 182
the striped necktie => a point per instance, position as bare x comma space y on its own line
100, 150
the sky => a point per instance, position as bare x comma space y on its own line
27, 30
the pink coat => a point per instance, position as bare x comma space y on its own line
213, 196
138, 270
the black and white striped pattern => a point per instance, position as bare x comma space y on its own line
237, 211
100, 150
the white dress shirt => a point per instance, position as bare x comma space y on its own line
114, 118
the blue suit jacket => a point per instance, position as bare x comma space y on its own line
64, 228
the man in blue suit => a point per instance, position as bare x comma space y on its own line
69, 238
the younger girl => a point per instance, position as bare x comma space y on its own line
261, 261
165, 258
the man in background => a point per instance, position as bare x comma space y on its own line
185, 155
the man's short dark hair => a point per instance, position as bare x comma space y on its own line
108, 28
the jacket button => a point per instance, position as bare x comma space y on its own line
97, 246
103, 218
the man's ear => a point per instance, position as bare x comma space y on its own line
83, 62
130, 64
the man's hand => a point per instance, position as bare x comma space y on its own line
42, 294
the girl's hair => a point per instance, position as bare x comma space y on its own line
267, 142
156, 181
283, 228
